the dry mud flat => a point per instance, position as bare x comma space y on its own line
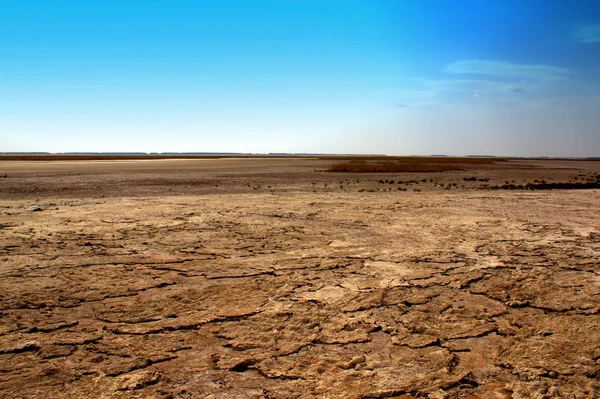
332, 295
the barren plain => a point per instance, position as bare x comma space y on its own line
271, 278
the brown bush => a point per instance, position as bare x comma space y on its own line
417, 159
390, 167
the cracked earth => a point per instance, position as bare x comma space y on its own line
315, 295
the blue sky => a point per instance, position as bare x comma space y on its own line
501, 77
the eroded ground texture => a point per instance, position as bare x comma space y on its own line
327, 295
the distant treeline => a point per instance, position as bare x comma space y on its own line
47, 156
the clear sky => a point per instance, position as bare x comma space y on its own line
457, 77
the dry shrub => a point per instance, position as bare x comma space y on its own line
417, 159
390, 167
406, 164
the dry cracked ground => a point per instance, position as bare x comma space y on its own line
467, 294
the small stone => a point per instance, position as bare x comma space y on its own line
352, 363
138, 380
27, 346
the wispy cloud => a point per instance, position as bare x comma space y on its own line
486, 80
507, 70
588, 34
478, 86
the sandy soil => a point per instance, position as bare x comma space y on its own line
183, 279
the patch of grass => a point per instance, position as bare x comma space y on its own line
416, 159
391, 167
546, 186
563, 186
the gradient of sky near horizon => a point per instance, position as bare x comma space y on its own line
498, 77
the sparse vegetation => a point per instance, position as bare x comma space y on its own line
563, 186
361, 166
545, 186
416, 159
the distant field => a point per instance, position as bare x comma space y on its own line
76, 176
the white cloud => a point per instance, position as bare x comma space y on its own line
478, 86
499, 91
503, 69
588, 34
495, 82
